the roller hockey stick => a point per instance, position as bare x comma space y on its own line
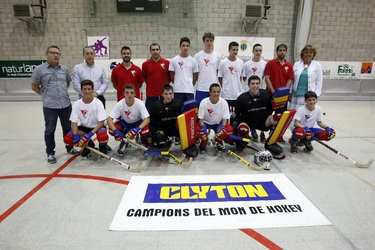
157, 152
249, 144
357, 164
244, 161
121, 163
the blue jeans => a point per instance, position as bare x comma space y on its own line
183, 97
50, 122
200, 95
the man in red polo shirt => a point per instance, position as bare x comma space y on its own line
156, 75
278, 72
126, 73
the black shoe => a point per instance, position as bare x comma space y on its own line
240, 146
293, 147
220, 146
108, 148
121, 148
51, 159
308, 146
103, 148
85, 152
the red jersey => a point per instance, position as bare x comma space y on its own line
279, 73
122, 76
156, 75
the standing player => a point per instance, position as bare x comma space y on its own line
51, 80
129, 118
89, 70
255, 66
183, 71
229, 74
126, 73
87, 118
156, 75
208, 63
305, 122
214, 114
163, 118
278, 72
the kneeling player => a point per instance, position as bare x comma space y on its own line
214, 114
87, 118
254, 111
305, 119
163, 116
129, 118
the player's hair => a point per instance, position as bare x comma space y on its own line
87, 83
232, 44
125, 48
281, 45
184, 39
129, 86
87, 47
214, 85
52, 47
307, 48
310, 94
256, 45
154, 44
209, 35
253, 77
167, 87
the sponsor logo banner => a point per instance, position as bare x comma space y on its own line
213, 202
18, 69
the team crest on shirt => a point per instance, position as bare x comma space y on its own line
210, 111
286, 68
162, 65
307, 117
181, 64
133, 72
206, 61
254, 69
231, 69
127, 113
84, 112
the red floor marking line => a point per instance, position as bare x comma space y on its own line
261, 239
27, 196
249, 232
72, 176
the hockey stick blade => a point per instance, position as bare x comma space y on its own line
364, 165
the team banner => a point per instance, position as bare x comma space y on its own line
18, 69
213, 202
245, 46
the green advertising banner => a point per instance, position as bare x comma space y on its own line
18, 69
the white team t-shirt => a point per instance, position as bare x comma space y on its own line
88, 114
208, 65
130, 114
231, 72
253, 68
183, 68
213, 113
308, 118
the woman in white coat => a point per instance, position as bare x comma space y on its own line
308, 76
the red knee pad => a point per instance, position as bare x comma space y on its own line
102, 135
68, 138
243, 130
299, 132
145, 131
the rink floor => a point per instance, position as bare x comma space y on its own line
69, 205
